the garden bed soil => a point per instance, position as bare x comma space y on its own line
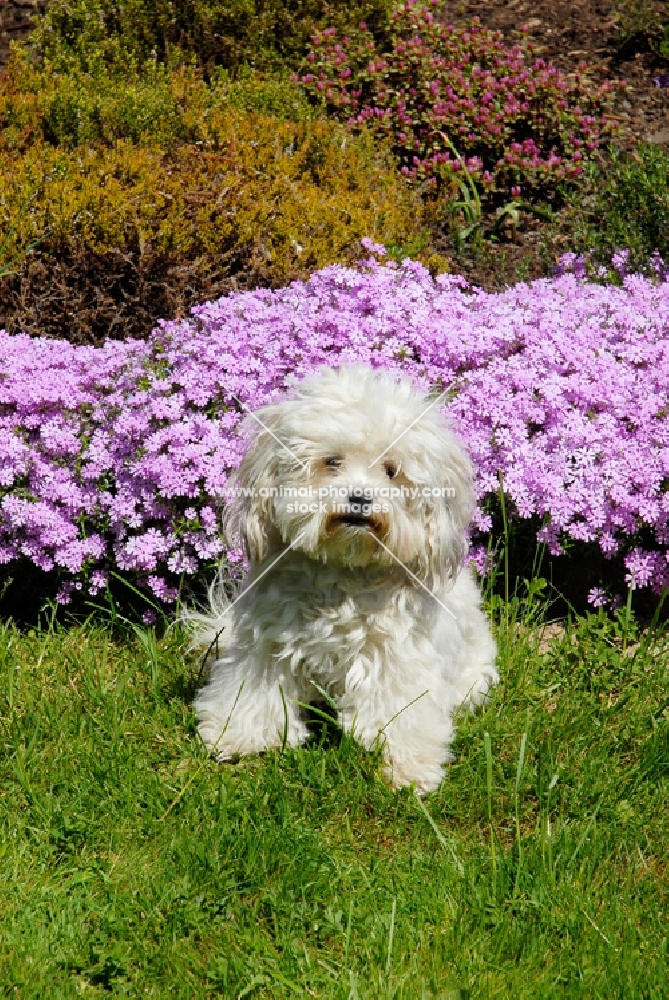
16, 22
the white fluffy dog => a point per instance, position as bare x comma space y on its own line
355, 500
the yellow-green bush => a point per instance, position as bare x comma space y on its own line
301, 194
284, 197
80, 108
125, 198
267, 34
159, 107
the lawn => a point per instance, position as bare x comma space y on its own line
134, 866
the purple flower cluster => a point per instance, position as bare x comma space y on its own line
118, 457
449, 95
586, 265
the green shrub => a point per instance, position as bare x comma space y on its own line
82, 109
274, 96
638, 25
662, 43
78, 114
159, 107
125, 33
623, 204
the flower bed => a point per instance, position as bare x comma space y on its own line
118, 457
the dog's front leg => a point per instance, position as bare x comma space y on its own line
408, 720
248, 705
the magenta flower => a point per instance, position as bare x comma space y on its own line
439, 86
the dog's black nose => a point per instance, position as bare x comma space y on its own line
355, 503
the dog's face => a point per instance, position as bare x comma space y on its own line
356, 470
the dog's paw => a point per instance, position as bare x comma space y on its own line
425, 776
228, 743
475, 692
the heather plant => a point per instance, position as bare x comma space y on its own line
126, 34
271, 198
457, 98
269, 95
159, 107
83, 110
154, 191
118, 458
10, 263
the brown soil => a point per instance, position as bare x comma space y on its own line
16, 22
85, 298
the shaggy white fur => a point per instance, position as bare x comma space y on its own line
357, 499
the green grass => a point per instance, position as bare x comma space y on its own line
133, 866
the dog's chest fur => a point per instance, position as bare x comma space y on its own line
338, 630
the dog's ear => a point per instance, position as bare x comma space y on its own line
446, 517
445, 544
251, 512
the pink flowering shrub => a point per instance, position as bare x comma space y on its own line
117, 458
440, 90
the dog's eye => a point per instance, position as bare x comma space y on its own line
333, 463
391, 471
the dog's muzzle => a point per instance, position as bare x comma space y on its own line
356, 520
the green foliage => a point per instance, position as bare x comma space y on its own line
131, 865
638, 24
159, 107
76, 108
641, 26
10, 264
88, 108
79, 113
662, 43
126, 33
274, 96
623, 204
